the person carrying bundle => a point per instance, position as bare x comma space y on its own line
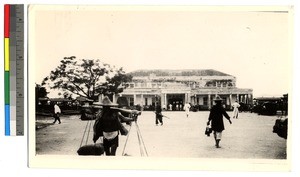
108, 125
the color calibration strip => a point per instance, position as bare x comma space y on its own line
14, 69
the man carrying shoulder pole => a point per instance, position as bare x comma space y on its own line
158, 115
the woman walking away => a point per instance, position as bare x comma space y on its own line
216, 118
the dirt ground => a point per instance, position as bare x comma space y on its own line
249, 137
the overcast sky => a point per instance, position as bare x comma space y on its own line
252, 45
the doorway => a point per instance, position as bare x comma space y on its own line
175, 102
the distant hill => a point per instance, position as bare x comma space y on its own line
185, 72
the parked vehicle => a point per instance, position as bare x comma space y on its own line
281, 127
244, 107
255, 108
268, 108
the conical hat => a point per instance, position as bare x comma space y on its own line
105, 102
218, 98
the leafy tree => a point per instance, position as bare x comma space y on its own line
86, 77
40, 92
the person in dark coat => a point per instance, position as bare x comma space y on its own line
216, 117
158, 115
108, 124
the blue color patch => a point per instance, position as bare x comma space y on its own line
7, 120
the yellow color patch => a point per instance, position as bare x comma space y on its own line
6, 54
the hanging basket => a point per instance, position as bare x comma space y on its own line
87, 116
91, 149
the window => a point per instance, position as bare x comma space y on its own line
224, 100
146, 101
143, 85
153, 101
131, 101
205, 99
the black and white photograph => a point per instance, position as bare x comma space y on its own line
160, 87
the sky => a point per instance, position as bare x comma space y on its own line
253, 45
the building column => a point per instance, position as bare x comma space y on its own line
142, 100
250, 99
100, 97
188, 98
194, 100
237, 98
230, 99
209, 102
162, 100
114, 98
134, 99
166, 100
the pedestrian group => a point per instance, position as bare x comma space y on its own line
108, 124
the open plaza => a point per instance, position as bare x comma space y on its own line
249, 137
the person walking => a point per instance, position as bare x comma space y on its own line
56, 113
235, 106
187, 107
216, 118
108, 125
158, 115
170, 107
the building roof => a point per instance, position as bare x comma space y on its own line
80, 98
43, 98
267, 98
185, 72
59, 99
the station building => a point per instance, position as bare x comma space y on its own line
173, 88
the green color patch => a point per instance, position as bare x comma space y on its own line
7, 88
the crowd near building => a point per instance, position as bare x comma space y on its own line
173, 88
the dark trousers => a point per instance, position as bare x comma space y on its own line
110, 146
56, 117
158, 119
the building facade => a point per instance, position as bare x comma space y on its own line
173, 88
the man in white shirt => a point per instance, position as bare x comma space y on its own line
187, 107
235, 106
56, 114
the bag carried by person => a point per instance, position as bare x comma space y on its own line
208, 130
